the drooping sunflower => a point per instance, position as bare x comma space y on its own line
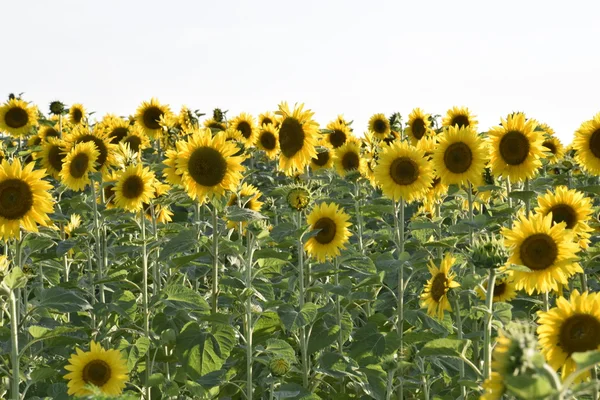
548, 251
46, 132
460, 157
555, 148
267, 118
570, 207
340, 134
52, 156
323, 160
105, 369
25, 199
586, 144
245, 126
516, 148
297, 138
348, 158
106, 150
134, 187
249, 197
504, 290
17, 117
418, 126
268, 140
332, 223
208, 165
77, 114
77, 165
117, 129
570, 327
434, 296
460, 116
148, 117
379, 125
403, 172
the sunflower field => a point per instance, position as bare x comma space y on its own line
171, 255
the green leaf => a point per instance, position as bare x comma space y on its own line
63, 300
43, 374
271, 253
283, 231
142, 344
15, 279
444, 347
367, 341
586, 359
281, 348
322, 336
184, 241
293, 319
522, 195
529, 386
156, 379
237, 214
186, 295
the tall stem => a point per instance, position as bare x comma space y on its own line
399, 227
459, 334
528, 201
470, 201
14, 345
487, 334
97, 235
145, 300
215, 264
359, 221
301, 297
249, 323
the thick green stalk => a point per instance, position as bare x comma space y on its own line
147, 388
459, 334
14, 345
390, 385
97, 235
470, 201
249, 323
359, 221
399, 228
528, 201
338, 306
156, 283
215, 264
487, 334
301, 297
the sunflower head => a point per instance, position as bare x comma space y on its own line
219, 115
418, 126
267, 118
379, 125
298, 198
77, 165
434, 296
332, 224
348, 158
148, 117
52, 156
77, 114
268, 140
279, 366
17, 117
460, 156
586, 145
461, 117
339, 134
488, 252
245, 127
249, 198
134, 187
504, 290
57, 107
297, 138
569, 206
324, 159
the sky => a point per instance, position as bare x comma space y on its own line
354, 58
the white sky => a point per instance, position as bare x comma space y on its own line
350, 57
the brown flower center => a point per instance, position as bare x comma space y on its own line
76, 115
350, 161
595, 143
514, 148
321, 159
291, 137
16, 117
327, 229
499, 288
550, 146
418, 128
151, 116
461, 120
245, 129
109, 193
404, 171
117, 134
458, 157
538, 251
50, 132
578, 333
439, 286
56, 157
380, 126
16, 199
266, 121
337, 138
207, 166
100, 146
79, 165
133, 187
268, 140
564, 213
134, 142
96, 372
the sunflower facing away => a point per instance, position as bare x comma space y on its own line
586, 144
148, 117
348, 158
460, 157
332, 223
245, 126
403, 172
460, 116
134, 187
339, 135
379, 125
268, 140
504, 290
297, 138
548, 251
17, 117
434, 296
52, 156
208, 165
418, 126
78, 164
570, 207
516, 148
25, 200
570, 327
250, 200
105, 369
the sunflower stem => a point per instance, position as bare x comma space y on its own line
399, 227
390, 385
359, 221
147, 388
249, 324
546, 302
303, 342
508, 191
470, 201
14, 345
459, 335
215, 261
487, 334
528, 200
338, 306
97, 234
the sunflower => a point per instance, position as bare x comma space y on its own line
249, 198
106, 190
379, 125
460, 157
105, 369
117, 129
506, 358
323, 160
17, 117
24, 199
348, 158
504, 290
586, 145
516, 148
268, 140
215, 125
554, 148
332, 223
403, 172
134, 187
148, 116
297, 138
339, 135
136, 140
298, 198
570, 207
34, 141
45, 132
106, 150
77, 114
74, 223
77, 165
460, 116
572, 326
160, 212
434, 296
170, 172
418, 126
207, 165
437, 191
245, 126
52, 156
548, 251
187, 120
267, 118
428, 144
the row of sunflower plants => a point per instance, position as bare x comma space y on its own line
170, 256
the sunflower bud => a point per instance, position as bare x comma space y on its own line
218, 115
489, 253
279, 366
57, 108
298, 198
488, 178
11, 96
